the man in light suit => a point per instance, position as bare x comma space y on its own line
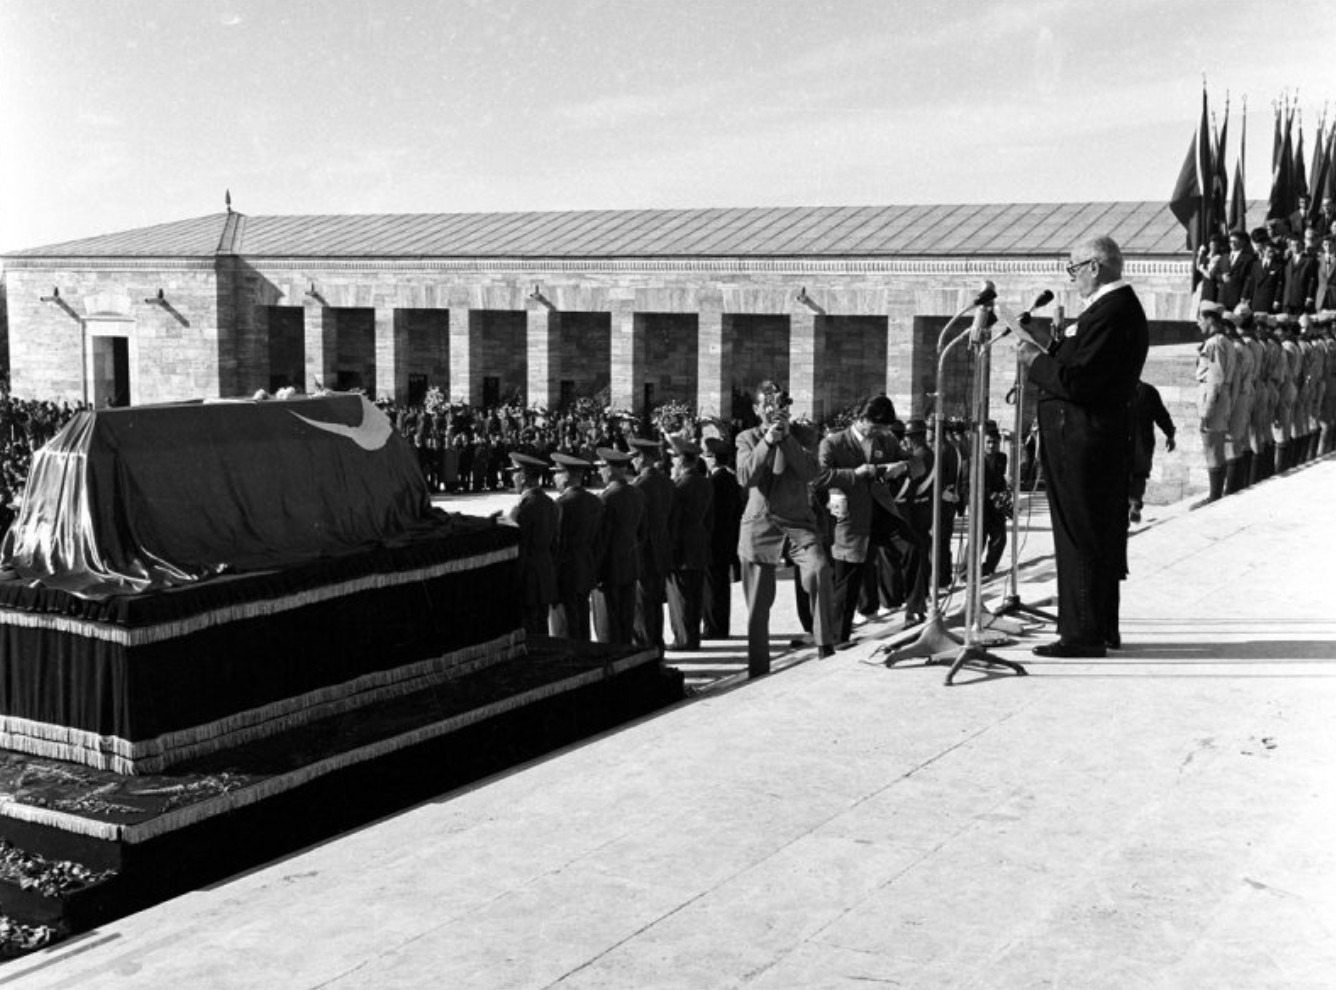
1087, 378
856, 465
775, 469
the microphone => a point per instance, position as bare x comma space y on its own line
987, 293
1041, 300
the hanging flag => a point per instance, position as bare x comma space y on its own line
1191, 200
1282, 174
1238, 200
1220, 175
1299, 182
1317, 176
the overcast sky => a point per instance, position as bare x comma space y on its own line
123, 113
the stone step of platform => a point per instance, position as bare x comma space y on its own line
162, 834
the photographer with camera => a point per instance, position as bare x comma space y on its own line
774, 469
856, 465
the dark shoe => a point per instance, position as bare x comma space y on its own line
822, 652
803, 640
1114, 642
1135, 514
1061, 648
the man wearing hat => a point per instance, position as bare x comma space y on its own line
536, 518
1243, 384
723, 566
656, 552
614, 599
690, 524
579, 551
1215, 373
858, 462
774, 468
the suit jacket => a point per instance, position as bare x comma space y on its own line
536, 517
1300, 280
1239, 280
691, 523
579, 530
623, 532
778, 500
1148, 412
840, 456
1085, 409
727, 517
656, 551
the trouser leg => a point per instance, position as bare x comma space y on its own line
848, 580
758, 586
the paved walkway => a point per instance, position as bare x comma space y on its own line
1160, 819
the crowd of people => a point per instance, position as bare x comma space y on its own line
25, 425
672, 513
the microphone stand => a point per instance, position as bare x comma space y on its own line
1012, 604
974, 652
933, 641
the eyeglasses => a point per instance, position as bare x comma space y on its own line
1076, 266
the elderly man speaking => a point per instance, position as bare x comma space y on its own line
1087, 378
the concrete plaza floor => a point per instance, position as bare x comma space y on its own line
1162, 818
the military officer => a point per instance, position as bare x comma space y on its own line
623, 531
536, 518
691, 523
723, 566
656, 552
579, 529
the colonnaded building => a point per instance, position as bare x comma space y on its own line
652, 305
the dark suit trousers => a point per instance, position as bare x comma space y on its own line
717, 600
651, 592
615, 613
569, 618
685, 592
848, 583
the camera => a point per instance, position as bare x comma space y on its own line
775, 403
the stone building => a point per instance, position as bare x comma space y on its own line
649, 305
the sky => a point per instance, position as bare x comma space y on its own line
116, 114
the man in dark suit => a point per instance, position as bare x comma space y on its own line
856, 465
1239, 281
690, 525
614, 600
723, 565
1301, 268
1087, 378
579, 529
775, 468
536, 518
656, 552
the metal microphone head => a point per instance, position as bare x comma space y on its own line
986, 294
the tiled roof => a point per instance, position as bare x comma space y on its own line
1005, 229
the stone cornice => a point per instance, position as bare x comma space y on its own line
1163, 265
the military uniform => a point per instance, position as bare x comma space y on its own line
536, 518
579, 551
690, 524
614, 599
656, 552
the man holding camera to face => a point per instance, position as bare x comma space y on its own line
775, 470
856, 465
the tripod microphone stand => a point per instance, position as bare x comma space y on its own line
1012, 604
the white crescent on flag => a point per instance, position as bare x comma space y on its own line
371, 434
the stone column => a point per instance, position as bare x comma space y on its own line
626, 359
465, 381
807, 333
391, 354
543, 340
714, 356
322, 345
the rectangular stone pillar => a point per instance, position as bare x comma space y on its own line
391, 354
714, 356
806, 336
543, 340
465, 381
322, 346
625, 360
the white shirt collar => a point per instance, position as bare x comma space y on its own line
1104, 290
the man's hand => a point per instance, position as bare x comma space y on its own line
1169, 443
776, 434
865, 472
898, 469
1026, 352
